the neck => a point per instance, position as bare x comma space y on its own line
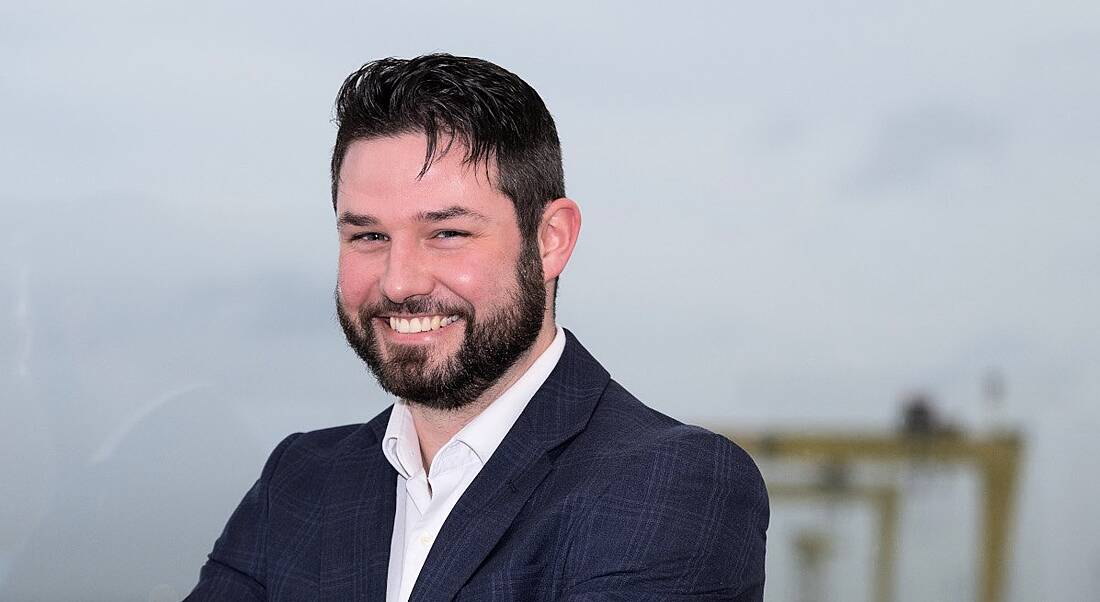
435, 427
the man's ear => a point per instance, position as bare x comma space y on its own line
557, 235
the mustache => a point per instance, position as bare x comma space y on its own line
412, 305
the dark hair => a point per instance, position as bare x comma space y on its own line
493, 113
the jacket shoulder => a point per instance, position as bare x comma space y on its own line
624, 426
628, 446
297, 469
671, 508
319, 445
274, 514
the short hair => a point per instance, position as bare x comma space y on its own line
493, 113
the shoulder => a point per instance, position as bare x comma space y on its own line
301, 455
320, 445
688, 506
626, 432
630, 451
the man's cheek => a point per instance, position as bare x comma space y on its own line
352, 290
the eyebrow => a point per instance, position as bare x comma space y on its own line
348, 218
449, 213
362, 220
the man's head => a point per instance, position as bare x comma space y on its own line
447, 186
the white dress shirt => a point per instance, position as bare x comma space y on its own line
424, 499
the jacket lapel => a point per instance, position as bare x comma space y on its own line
558, 411
358, 518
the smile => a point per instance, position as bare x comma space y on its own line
422, 324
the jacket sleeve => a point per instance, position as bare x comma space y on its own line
235, 569
685, 519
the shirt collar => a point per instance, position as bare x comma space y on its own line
483, 434
400, 445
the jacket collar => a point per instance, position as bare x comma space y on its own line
558, 412
360, 492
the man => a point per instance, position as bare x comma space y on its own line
511, 467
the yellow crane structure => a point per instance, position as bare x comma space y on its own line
995, 457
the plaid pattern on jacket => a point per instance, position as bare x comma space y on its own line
591, 496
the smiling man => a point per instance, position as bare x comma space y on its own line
510, 466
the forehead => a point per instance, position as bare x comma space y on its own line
383, 176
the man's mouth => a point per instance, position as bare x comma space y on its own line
420, 324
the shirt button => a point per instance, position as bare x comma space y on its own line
425, 540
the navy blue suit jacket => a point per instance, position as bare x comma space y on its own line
591, 496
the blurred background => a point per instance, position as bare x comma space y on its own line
858, 237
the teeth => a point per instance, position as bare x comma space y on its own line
424, 324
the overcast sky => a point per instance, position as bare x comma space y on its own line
793, 217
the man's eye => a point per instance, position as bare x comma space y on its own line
450, 234
369, 236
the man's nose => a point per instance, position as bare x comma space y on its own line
407, 274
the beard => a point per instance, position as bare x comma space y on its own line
490, 346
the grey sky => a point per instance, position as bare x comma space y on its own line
793, 216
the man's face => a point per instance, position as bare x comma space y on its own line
438, 293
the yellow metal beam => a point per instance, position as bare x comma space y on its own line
885, 501
996, 457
